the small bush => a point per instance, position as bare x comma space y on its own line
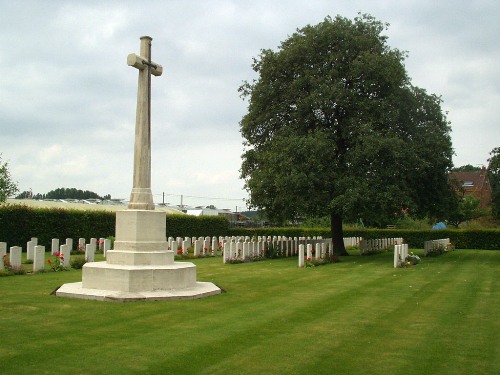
77, 262
328, 259
13, 271
440, 250
410, 260
239, 259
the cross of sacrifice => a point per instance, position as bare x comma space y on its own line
141, 197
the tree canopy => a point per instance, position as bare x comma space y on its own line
466, 168
334, 127
64, 193
7, 186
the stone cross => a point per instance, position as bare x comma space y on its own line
141, 197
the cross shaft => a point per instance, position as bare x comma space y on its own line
141, 197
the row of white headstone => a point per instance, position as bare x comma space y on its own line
367, 246
319, 251
242, 248
36, 253
443, 243
239, 247
352, 241
199, 245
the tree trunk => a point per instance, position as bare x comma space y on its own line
337, 235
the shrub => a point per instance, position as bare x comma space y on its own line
56, 264
77, 262
328, 259
438, 250
13, 271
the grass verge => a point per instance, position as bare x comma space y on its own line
360, 316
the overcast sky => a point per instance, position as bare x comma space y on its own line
68, 98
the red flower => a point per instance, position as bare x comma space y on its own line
7, 263
205, 249
48, 261
57, 253
5, 256
309, 259
179, 251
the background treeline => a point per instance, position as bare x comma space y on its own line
19, 223
63, 193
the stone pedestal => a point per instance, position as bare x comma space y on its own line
141, 267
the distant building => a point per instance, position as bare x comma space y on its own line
474, 183
235, 218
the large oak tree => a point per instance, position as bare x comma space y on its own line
334, 127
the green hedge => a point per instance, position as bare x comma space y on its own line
462, 239
196, 226
19, 223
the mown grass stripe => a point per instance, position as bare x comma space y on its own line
358, 316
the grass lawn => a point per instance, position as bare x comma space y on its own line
360, 316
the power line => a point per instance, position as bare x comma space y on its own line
197, 197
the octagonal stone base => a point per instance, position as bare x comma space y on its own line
199, 290
124, 278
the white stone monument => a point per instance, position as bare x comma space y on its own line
140, 266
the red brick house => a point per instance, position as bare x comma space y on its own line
474, 183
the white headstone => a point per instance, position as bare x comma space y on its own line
107, 246
234, 250
38, 258
245, 253
173, 246
15, 256
3, 253
196, 248
397, 255
90, 252
30, 249
3, 248
214, 246
65, 252
226, 251
309, 251
81, 244
301, 256
54, 246
185, 246
69, 244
